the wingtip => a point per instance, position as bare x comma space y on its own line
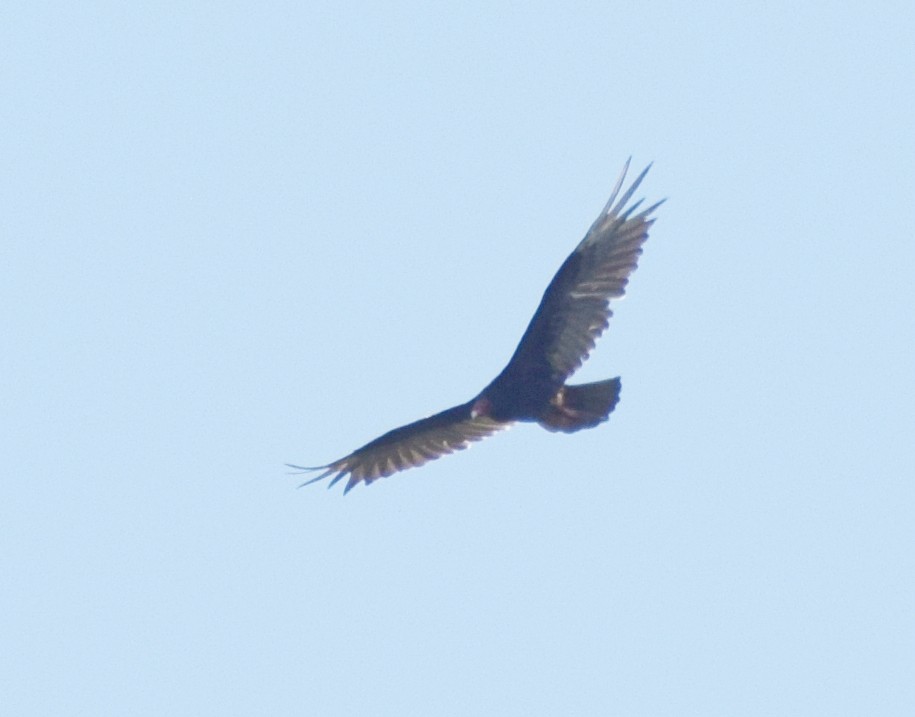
310, 469
608, 207
327, 471
303, 469
619, 206
650, 210
614, 206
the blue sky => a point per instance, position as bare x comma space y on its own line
236, 235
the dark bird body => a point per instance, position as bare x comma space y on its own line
573, 313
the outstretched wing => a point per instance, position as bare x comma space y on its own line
410, 446
575, 307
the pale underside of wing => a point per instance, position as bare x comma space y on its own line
410, 446
575, 309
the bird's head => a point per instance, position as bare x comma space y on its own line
481, 407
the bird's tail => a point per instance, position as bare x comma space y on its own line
582, 406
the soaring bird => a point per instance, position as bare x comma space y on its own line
573, 313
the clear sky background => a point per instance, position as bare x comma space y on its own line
236, 235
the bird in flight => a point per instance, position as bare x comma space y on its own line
573, 313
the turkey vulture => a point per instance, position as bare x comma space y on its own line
573, 313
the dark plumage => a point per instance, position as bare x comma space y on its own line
573, 313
